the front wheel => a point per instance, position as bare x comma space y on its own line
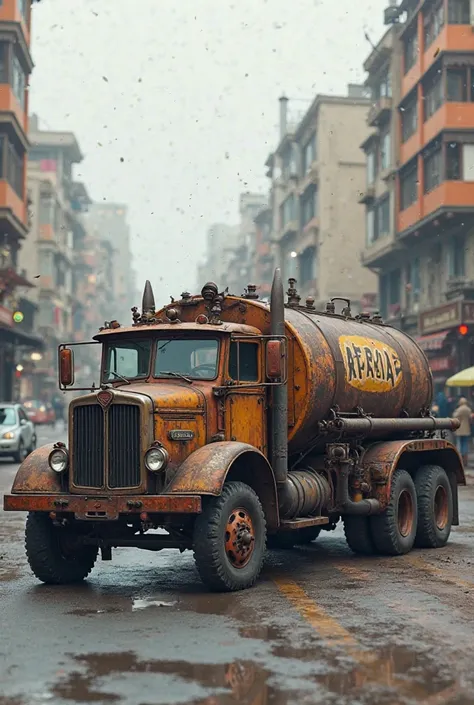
229, 539
53, 553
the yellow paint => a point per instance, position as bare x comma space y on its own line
372, 669
245, 417
370, 365
427, 567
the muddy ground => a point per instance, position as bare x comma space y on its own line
322, 626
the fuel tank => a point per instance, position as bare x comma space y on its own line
335, 361
350, 364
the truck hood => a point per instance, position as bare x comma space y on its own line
166, 395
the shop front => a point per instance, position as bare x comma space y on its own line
446, 335
14, 345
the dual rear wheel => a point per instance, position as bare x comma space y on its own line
419, 513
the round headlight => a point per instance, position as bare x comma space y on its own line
58, 460
156, 459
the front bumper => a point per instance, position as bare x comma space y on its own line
102, 508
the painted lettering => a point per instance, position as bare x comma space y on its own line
370, 365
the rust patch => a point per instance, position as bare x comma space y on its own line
103, 507
35, 475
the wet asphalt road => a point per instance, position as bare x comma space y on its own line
320, 627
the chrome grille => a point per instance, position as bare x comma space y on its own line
124, 446
106, 452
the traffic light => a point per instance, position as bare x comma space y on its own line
18, 316
463, 330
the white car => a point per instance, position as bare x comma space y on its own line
17, 432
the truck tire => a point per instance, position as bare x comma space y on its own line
20, 454
229, 539
394, 531
358, 534
49, 559
435, 506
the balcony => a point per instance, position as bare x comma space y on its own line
289, 229
453, 197
450, 116
379, 252
368, 195
379, 112
459, 288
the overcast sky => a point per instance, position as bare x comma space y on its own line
186, 93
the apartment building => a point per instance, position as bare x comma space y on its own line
16, 65
424, 258
264, 262
221, 241
109, 221
317, 175
241, 266
47, 256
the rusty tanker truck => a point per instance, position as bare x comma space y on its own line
231, 425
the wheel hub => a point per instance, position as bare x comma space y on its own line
239, 538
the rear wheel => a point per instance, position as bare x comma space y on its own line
435, 507
32, 445
53, 553
229, 539
358, 534
394, 531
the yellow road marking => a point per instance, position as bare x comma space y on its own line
423, 565
373, 668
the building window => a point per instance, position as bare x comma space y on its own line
409, 185
433, 24
45, 263
18, 81
23, 8
433, 94
459, 12
383, 217
15, 169
46, 211
385, 151
309, 154
307, 265
3, 62
372, 167
453, 161
456, 258
370, 227
468, 162
308, 206
432, 168
287, 211
413, 285
409, 114
410, 50
382, 88
456, 85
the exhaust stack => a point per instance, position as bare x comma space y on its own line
280, 392
148, 301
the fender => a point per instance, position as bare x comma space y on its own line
205, 471
35, 476
382, 459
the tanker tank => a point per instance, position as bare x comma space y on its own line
335, 361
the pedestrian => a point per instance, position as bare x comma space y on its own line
463, 412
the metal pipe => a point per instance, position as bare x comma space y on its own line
344, 504
368, 427
280, 391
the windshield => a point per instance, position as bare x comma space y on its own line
127, 359
7, 416
187, 357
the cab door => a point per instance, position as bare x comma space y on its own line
245, 404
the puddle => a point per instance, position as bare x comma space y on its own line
143, 603
375, 679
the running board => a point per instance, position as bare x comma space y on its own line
303, 523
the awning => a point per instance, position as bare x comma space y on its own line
18, 337
14, 279
435, 341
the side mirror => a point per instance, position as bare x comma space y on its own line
22, 422
66, 367
275, 354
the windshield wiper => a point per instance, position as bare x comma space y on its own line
116, 374
177, 374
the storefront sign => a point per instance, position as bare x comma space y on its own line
468, 312
6, 317
440, 364
437, 319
